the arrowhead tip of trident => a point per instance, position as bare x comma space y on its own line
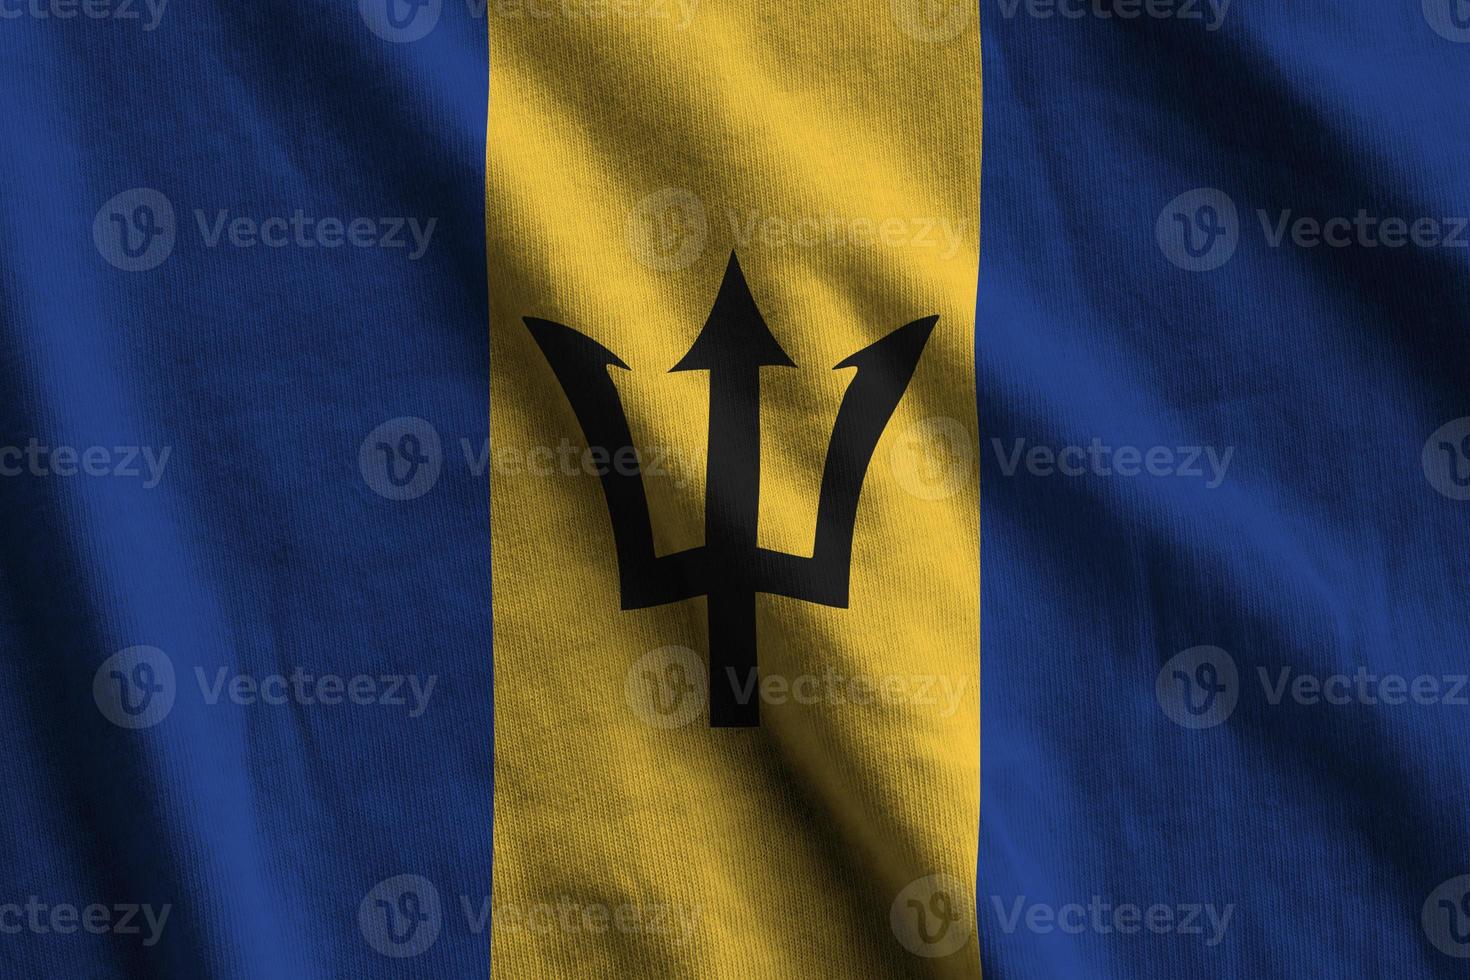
735, 335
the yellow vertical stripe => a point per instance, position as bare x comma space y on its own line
634, 145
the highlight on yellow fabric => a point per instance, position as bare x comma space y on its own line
736, 590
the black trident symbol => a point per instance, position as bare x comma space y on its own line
730, 568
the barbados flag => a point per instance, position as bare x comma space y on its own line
495, 485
